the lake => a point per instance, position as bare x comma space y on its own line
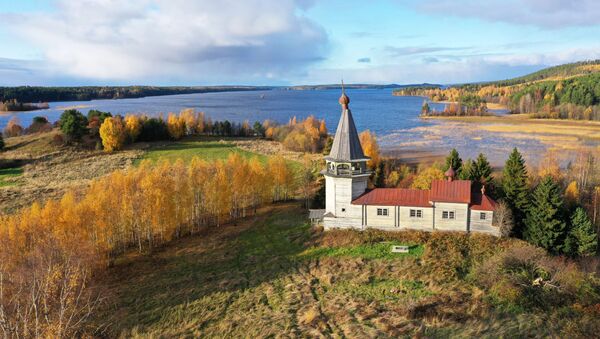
395, 120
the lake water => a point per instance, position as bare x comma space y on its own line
395, 120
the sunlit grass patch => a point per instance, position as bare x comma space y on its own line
381, 250
384, 289
187, 150
7, 176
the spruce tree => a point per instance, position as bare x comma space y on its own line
514, 185
466, 170
583, 240
1, 142
544, 224
453, 160
482, 171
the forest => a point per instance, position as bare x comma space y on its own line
569, 91
33, 94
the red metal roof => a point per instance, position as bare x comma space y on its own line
483, 203
458, 191
394, 197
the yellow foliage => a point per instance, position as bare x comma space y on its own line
572, 193
176, 126
133, 126
371, 148
113, 134
425, 177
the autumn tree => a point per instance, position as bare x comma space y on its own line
503, 219
370, 146
425, 177
133, 127
176, 126
113, 134
13, 128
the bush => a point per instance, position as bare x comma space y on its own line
526, 277
39, 124
13, 128
154, 129
73, 124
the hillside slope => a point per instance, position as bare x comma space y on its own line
272, 274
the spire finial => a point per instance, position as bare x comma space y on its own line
344, 100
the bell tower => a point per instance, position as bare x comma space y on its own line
346, 175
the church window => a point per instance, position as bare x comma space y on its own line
382, 211
482, 216
416, 213
448, 215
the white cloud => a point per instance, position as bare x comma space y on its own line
175, 40
542, 13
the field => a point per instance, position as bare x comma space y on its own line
207, 148
272, 275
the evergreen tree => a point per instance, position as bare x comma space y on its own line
583, 240
466, 171
482, 171
544, 224
1, 142
514, 185
379, 178
73, 124
453, 160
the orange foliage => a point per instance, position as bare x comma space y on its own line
13, 128
369, 144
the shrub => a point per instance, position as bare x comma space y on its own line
73, 124
39, 124
13, 128
154, 129
525, 276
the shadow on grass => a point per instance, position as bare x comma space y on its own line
221, 264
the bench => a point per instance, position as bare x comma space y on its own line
399, 249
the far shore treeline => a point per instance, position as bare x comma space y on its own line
36, 94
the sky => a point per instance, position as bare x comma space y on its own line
289, 42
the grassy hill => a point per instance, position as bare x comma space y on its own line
272, 275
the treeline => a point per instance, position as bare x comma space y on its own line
113, 132
29, 94
15, 106
467, 105
49, 252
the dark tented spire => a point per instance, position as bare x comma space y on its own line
346, 144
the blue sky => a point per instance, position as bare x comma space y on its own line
279, 42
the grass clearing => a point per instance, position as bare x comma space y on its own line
8, 176
208, 149
366, 251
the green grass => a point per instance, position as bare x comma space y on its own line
384, 290
209, 150
9, 173
366, 251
